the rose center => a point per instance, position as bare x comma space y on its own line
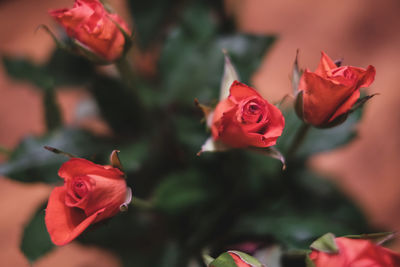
80, 189
252, 113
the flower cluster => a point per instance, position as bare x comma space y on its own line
242, 119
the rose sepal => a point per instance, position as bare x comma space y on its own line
377, 238
115, 161
230, 75
296, 74
235, 258
326, 243
74, 47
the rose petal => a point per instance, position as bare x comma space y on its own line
222, 107
322, 97
64, 224
240, 91
81, 167
108, 193
325, 65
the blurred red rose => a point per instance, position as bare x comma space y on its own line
356, 253
331, 91
246, 119
239, 262
90, 194
90, 24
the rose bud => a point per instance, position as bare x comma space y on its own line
90, 193
355, 253
235, 258
245, 119
93, 27
239, 261
327, 95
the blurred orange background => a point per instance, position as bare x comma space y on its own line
362, 32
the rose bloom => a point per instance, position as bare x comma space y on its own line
356, 253
90, 193
331, 91
90, 24
246, 119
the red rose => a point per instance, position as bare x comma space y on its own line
246, 119
90, 24
90, 194
331, 91
356, 253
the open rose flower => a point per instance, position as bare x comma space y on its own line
329, 93
245, 119
90, 193
356, 253
90, 24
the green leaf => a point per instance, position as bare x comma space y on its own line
118, 105
63, 69
29, 162
180, 192
194, 48
35, 239
149, 18
326, 243
224, 260
133, 155
24, 70
68, 69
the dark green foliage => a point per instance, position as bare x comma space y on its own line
150, 18
118, 105
318, 140
191, 64
30, 162
35, 239
63, 69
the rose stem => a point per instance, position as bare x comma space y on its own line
127, 74
142, 204
125, 69
298, 139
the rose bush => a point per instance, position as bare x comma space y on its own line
356, 253
90, 24
90, 194
330, 92
245, 119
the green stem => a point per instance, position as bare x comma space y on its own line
125, 69
298, 139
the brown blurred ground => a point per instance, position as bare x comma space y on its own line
362, 32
